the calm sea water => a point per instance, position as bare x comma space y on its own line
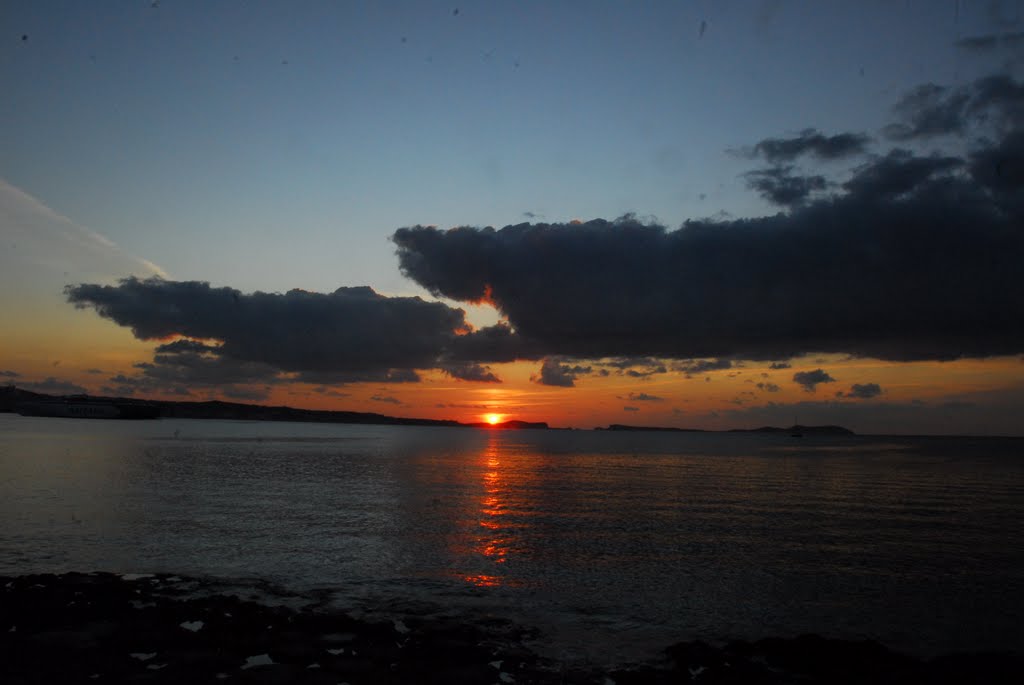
615, 545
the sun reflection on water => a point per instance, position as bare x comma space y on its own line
491, 540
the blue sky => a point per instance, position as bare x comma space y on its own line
180, 133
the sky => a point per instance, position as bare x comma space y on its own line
694, 214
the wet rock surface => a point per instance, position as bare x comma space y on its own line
102, 627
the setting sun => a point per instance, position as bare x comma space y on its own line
492, 419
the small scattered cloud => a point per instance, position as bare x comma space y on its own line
10, 374
863, 391
330, 392
387, 399
813, 143
810, 380
695, 367
768, 387
467, 371
627, 408
644, 397
634, 367
554, 372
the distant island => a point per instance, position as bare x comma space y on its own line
512, 425
796, 430
13, 399
665, 429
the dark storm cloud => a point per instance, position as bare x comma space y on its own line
344, 377
813, 143
183, 364
914, 258
493, 344
992, 42
863, 391
470, 372
898, 172
991, 104
1000, 167
351, 329
928, 110
779, 186
810, 380
54, 386
554, 372
188, 363
350, 335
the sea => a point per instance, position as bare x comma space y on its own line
612, 545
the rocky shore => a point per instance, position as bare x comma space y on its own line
101, 627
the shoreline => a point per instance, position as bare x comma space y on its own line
164, 628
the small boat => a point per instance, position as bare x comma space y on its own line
86, 408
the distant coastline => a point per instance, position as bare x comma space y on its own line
12, 397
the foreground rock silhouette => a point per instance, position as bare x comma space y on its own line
102, 627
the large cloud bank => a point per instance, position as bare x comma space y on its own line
916, 256
350, 335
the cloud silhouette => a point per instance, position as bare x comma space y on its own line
701, 366
811, 142
350, 335
924, 274
554, 372
993, 105
863, 391
912, 258
779, 186
635, 367
643, 397
809, 380
470, 372
898, 172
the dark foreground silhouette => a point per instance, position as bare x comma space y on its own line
102, 627
14, 399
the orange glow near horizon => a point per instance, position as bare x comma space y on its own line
493, 419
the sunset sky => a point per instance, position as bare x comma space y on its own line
695, 214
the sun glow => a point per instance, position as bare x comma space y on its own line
493, 419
